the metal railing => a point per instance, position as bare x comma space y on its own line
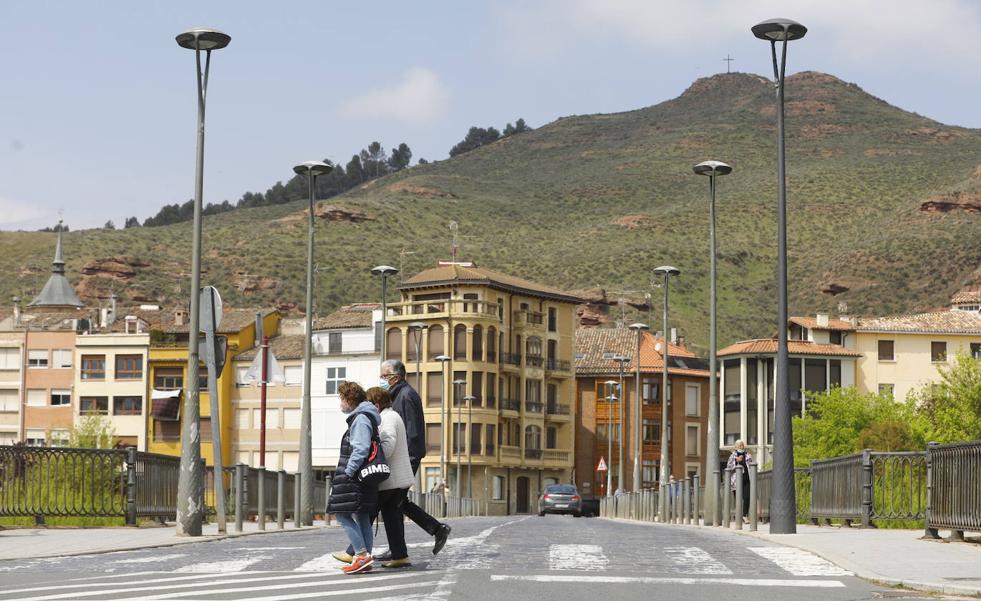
510, 405
440, 506
555, 408
954, 478
557, 365
511, 358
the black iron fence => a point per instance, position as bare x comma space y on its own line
441, 506
954, 479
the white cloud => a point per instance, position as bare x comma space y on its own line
418, 97
13, 212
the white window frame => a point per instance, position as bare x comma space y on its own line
62, 359
9, 358
698, 399
293, 374
291, 418
34, 359
61, 393
37, 397
339, 375
9, 401
698, 439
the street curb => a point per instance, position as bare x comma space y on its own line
205, 538
928, 587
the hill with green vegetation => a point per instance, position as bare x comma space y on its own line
883, 210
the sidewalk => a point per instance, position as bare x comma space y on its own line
31, 543
890, 557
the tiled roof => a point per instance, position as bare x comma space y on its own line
768, 346
938, 322
446, 275
966, 296
283, 347
53, 319
349, 316
833, 324
592, 343
232, 321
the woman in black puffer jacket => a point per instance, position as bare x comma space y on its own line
352, 502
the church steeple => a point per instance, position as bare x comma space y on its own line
58, 291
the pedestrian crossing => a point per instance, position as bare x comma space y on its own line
476, 559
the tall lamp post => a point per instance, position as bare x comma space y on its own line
384, 271
621, 431
443, 360
783, 505
470, 399
666, 271
610, 399
712, 169
311, 169
190, 484
458, 389
640, 328
418, 328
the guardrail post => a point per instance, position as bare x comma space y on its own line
130, 486
739, 497
296, 500
239, 496
261, 480
280, 499
867, 483
717, 501
685, 502
929, 532
726, 499
753, 501
698, 497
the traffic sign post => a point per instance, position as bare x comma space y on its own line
601, 467
215, 348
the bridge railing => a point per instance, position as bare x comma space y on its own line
445, 506
954, 481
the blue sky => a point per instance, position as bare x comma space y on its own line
97, 102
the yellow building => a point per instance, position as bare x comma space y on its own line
901, 354
168, 370
510, 341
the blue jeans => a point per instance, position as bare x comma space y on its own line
357, 526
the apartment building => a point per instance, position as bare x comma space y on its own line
498, 406
605, 416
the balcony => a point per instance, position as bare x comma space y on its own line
533, 454
508, 452
511, 359
557, 456
557, 411
534, 360
533, 407
510, 405
553, 364
441, 309
528, 319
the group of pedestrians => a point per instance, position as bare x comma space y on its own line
390, 416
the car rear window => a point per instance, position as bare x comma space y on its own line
561, 489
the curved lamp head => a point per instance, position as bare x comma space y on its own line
712, 168
775, 30
460, 382
313, 168
667, 270
384, 270
470, 398
638, 327
442, 358
202, 38
612, 382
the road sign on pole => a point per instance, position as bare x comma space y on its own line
210, 304
602, 465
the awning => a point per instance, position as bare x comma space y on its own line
166, 404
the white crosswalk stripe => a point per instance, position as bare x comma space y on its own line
693, 560
577, 557
799, 562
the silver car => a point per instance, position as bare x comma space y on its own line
560, 498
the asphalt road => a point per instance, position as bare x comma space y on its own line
492, 559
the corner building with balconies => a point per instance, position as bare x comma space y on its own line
506, 430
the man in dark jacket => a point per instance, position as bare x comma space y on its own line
406, 402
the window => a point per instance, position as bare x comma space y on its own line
886, 390
334, 342
93, 405
434, 437
938, 351
203, 379
976, 350
475, 438
551, 438
497, 491
205, 430
491, 390
293, 375
434, 389
242, 419
291, 419
335, 375
459, 390
272, 418
459, 438
166, 431
886, 350
62, 358
691, 399
491, 439
478, 344
37, 359
533, 437
61, 397
393, 344
815, 375
37, 397
691, 440
432, 478
652, 431
460, 342
798, 332
834, 336
650, 391
9, 358
127, 405
491, 345
129, 367
93, 367
553, 319
731, 375
835, 374
9, 401
291, 461
649, 471
168, 378
435, 337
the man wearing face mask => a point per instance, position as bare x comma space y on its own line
406, 402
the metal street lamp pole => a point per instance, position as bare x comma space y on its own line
470, 399
311, 169
621, 430
638, 429
384, 271
666, 271
190, 484
712, 169
609, 435
418, 328
457, 394
783, 504
443, 360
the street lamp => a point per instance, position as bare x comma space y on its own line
384, 271
640, 328
666, 271
443, 360
458, 389
609, 435
311, 169
190, 484
622, 360
783, 504
470, 399
712, 169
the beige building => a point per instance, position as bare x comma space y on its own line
11, 380
510, 342
902, 353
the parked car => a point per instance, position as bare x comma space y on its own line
560, 498
590, 507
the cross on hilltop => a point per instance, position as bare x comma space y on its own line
728, 59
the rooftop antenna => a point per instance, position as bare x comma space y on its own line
728, 59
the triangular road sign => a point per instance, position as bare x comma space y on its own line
602, 465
